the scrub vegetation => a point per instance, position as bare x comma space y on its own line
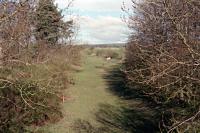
162, 60
151, 84
36, 58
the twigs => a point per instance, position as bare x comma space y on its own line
185, 121
163, 54
34, 62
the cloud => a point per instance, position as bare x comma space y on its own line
103, 29
99, 20
97, 5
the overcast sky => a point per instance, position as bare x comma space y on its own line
99, 20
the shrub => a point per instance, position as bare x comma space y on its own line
32, 73
163, 57
25, 104
30, 94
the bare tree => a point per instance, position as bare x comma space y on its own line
163, 53
31, 78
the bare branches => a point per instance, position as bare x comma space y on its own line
185, 121
164, 54
33, 74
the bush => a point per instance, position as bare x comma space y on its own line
34, 69
25, 104
30, 94
163, 57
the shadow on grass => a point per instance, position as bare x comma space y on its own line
134, 115
117, 84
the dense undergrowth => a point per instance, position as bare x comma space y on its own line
31, 94
162, 60
36, 59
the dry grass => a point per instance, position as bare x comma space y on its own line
35, 89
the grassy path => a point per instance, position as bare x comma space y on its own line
99, 102
89, 91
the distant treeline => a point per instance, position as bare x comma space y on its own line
106, 45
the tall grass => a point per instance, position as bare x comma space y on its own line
31, 93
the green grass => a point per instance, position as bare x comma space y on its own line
89, 91
97, 102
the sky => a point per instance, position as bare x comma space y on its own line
99, 20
